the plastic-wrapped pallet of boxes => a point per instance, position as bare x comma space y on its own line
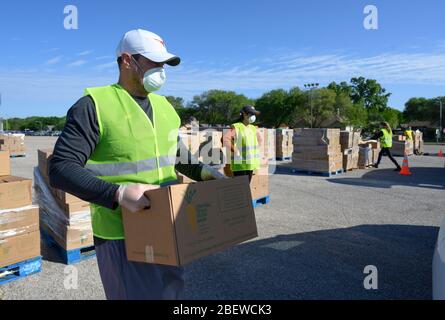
14, 143
64, 217
350, 149
400, 146
418, 142
317, 150
284, 145
19, 220
366, 155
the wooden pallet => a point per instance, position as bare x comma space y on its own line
261, 201
18, 155
20, 270
291, 170
69, 256
284, 158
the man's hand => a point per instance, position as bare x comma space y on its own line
208, 173
132, 196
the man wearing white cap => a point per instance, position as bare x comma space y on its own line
118, 142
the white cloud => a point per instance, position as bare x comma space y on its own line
251, 77
53, 61
86, 52
106, 66
295, 69
104, 58
77, 63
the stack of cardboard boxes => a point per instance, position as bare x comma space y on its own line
285, 146
317, 150
418, 142
402, 146
19, 219
64, 217
14, 144
349, 142
268, 144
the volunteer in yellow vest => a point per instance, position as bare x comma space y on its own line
118, 142
243, 141
385, 137
409, 134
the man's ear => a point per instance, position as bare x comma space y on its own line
126, 61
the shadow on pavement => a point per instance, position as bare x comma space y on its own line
325, 264
422, 177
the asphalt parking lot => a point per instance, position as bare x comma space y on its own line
316, 237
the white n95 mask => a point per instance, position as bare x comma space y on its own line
252, 119
154, 79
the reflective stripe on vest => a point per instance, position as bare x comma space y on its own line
120, 169
131, 148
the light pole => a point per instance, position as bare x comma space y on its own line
441, 123
311, 87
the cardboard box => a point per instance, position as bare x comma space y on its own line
316, 152
190, 221
71, 208
5, 163
44, 156
66, 197
350, 158
15, 192
69, 237
262, 171
259, 186
349, 139
311, 137
18, 221
19, 248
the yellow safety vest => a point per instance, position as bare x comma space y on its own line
131, 149
386, 139
409, 134
246, 143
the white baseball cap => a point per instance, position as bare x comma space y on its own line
147, 44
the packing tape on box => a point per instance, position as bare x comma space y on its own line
14, 232
18, 209
149, 254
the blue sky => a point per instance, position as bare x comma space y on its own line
247, 46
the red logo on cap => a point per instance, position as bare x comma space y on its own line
162, 42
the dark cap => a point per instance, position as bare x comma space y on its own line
250, 110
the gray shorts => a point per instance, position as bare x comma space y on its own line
125, 280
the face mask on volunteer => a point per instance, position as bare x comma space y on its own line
153, 79
252, 119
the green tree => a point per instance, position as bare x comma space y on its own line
369, 93
176, 102
277, 107
422, 109
218, 106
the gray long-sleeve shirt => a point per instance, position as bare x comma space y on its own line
75, 146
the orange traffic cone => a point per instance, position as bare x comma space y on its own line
440, 154
405, 167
